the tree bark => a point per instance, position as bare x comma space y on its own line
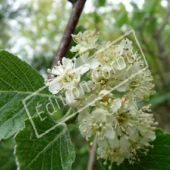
78, 6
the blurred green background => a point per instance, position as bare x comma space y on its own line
32, 30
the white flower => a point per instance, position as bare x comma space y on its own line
85, 41
54, 86
119, 63
103, 77
75, 96
125, 46
96, 124
65, 76
116, 104
88, 61
110, 59
139, 83
131, 132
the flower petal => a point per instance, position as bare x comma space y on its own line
110, 133
119, 64
100, 115
67, 63
54, 87
116, 105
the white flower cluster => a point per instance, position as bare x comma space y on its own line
103, 85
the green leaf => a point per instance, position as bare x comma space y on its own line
159, 98
157, 158
17, 80
150, 6
7, 153
53, 151
122, 16
100, 3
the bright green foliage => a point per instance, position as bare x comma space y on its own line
52, 151
17, 80
157, 158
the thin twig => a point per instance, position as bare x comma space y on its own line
160, 44
71, 25
158, 39
72, 1
151, 51
165, 20
92, 157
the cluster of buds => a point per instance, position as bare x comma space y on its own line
104, 83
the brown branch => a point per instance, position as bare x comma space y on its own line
72, 1
160, 44
158, 39
165, 20
151, 51
162, 51
71, 25
92, 157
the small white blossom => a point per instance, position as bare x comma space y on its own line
76, 95
85, 41
97, 125
65, 76
125, 46
140, 85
